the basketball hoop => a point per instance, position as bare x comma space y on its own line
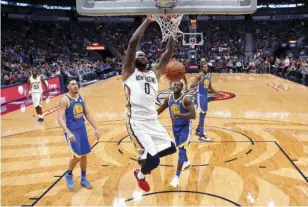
169, 25
193, 44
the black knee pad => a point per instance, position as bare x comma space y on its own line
150, 164
173, 148
153, 161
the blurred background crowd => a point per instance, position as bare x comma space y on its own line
60, 48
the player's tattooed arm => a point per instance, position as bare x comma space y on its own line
196, 81
165, 58
61, 118
163, 106
191, 114
129, 59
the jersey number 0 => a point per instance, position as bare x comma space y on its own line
147, 88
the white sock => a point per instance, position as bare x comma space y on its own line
140, 175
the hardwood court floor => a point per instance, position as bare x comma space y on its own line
258, 154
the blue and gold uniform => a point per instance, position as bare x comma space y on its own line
74, 117
181, 127
201, 98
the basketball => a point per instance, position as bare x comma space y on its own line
175, 71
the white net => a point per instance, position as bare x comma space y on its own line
169, 25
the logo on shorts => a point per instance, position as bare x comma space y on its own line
191, 93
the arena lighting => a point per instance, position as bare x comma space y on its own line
45, 6
292, 42
274, 6
96, 46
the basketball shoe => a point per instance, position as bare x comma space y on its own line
142, 183
69, 181
186, 165
175, 182
85, 183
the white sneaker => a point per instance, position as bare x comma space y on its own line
186, 165
175, 182
204, 138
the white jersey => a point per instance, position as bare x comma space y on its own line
36, 84
141, 91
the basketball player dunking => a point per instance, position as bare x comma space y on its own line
36, 81
72, 113
203, 83
181, 111
141, 84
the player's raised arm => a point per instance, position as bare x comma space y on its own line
61, 118
90, 119
163, 106
196, 81
185, 81
165, 58
129, 59
191, 114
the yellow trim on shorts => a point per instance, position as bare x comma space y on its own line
201, 111
184, 144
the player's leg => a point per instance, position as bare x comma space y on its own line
203, 105
39, 112
161, 138
69, 175
85, 149
149, 158
76, 154
36, 100
182, 138
197, 103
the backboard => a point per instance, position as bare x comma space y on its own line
146, 7
192, 39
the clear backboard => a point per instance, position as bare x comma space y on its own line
163, 7
192, 39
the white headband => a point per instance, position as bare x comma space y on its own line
139, 53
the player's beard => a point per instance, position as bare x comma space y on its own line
140, 65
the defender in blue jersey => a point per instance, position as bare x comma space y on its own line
203, 84
181, 111
71, 117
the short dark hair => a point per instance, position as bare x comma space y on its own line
69, 80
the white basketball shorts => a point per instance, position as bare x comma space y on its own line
37, 99
149, 135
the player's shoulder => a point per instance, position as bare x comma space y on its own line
127, 77
199, 75
82, 96
65, 98
186, 99
168, 98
